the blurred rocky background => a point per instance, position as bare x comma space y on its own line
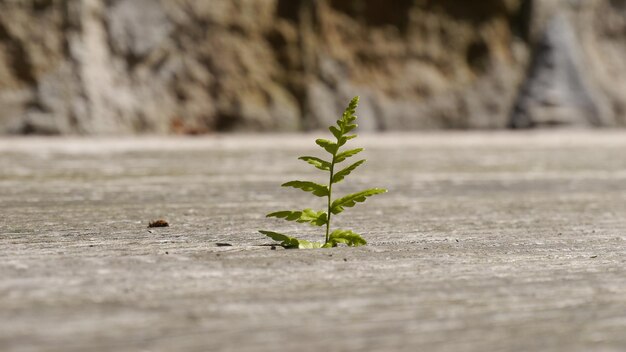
197, 66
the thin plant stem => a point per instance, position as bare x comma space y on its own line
330, 193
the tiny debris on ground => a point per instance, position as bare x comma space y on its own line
159, 223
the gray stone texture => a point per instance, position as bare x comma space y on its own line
195, 66
495, 241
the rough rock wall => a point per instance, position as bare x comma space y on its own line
418, 64
194, 66
577, 75
605, 51
104, 67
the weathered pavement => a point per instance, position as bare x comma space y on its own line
485, 242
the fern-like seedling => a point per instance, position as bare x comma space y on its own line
341, 132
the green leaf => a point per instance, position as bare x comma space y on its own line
317, 162
339, 176
318, 218
286, 214
349, 113
350, 200
329, 146
307, 186
348, 153
290, 242
344, 139
346, 127
335, 131
306, 216
285, 241
345, 123
347, 237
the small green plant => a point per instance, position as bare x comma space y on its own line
322, 218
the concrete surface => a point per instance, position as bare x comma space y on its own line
485, 242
